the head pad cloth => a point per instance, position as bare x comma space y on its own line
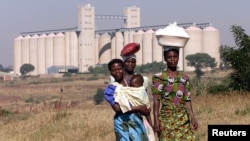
168, 48
125, 58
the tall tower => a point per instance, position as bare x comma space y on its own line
86, 25
132, 17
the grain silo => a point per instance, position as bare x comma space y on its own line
73, 49
211, 43
126, 37
41, 45
59, 49
138, 39
181, 60
67, 48
49, 53
105, 48
147, 44
97, 42
131, 36
113, 47
156, 50
193, 46
25, 50
33, 53
119, 44
17, 54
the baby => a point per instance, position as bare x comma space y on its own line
136, 81
134, 95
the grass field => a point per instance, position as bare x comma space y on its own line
62, 109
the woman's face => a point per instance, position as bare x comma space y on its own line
129, 64
117, 71
171, 58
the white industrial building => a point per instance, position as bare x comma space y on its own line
83, 46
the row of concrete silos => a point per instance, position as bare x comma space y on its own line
111, 46
201, 41
45, 50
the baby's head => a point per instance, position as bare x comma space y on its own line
136, 80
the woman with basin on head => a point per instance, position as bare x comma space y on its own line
172, 108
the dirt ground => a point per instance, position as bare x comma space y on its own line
9, 99
25, 95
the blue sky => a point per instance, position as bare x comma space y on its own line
18, 16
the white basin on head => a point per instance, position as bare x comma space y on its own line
172, 35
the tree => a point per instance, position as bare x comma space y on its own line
26, 68
199, 61
224, 64
1, 67
102, 69
238, 57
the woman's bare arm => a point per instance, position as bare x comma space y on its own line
194, 123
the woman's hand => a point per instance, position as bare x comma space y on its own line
157, 128
156, 107
194, 124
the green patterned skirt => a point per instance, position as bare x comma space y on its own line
175, 123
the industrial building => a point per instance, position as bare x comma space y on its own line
62, 69
83, 46
7, 76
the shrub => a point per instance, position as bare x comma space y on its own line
197, 86
4, 112
94, 77
29, 100
216, 89
68, 74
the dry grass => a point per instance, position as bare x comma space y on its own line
38, 115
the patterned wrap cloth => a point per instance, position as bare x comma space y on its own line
130, 96
174, 119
